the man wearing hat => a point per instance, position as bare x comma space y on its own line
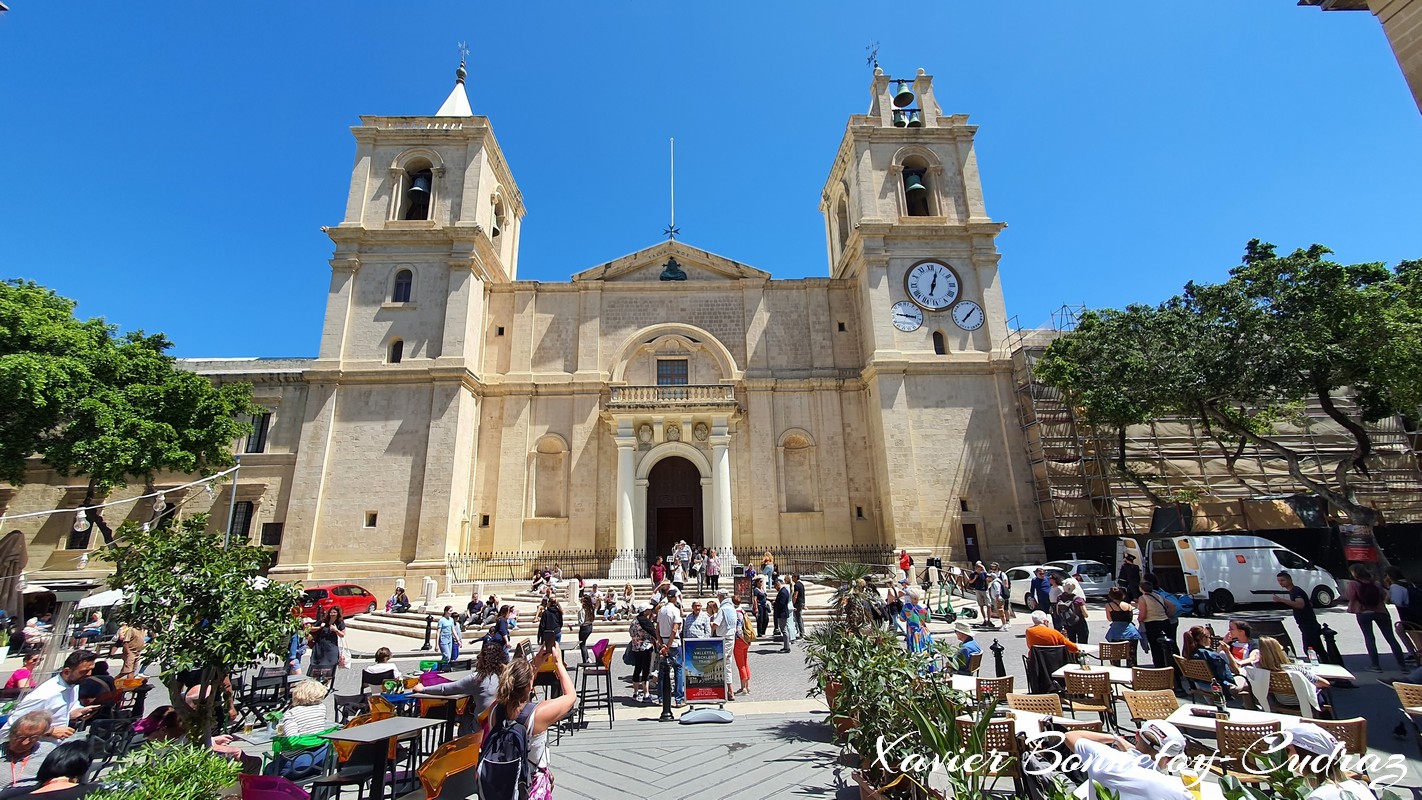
1130, 577
669, 623
967, 646
1133, 773
1318, 756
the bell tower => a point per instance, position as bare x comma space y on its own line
905, 223
433, 216
903, 191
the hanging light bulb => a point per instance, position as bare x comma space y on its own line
145, 527
159, 503
83, 561
81, 522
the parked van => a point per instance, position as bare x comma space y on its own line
1225, 569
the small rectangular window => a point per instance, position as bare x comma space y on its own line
257, 439
842, 328
1009, 527
483, 520
242, 519
499, 331
962, 504
271, 534
79, 540
859, 512
370, 519
672, 372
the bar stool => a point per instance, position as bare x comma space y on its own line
599, 694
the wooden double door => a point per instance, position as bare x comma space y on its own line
674, 507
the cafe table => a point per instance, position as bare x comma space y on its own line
448, 717
1119, 675
1186, 718
398, 728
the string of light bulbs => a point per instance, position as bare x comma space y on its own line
160, 502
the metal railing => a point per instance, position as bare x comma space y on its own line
812, 560
685, 395
519, 565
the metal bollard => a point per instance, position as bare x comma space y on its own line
429, 627
667, 715
997, 648
1160, 650
1330, 652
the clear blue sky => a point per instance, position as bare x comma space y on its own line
169, 164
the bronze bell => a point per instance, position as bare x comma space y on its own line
913, 182
900, 119
903, 95
420, 184
915, 120
496, 227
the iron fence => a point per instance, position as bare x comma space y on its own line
812, 559
518, 565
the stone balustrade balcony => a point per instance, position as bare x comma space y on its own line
685, 396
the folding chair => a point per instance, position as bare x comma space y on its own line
1091, 692
1236, 741
1049, 704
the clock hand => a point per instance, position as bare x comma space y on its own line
933, 285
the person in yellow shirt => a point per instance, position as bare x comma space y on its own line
1042, 632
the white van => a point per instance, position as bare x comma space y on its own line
1226, 569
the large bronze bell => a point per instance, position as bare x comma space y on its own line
913, 182
900, 119
903, 95
420, 185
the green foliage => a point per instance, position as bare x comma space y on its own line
101, 405
1241, 356
204, 606
172, 772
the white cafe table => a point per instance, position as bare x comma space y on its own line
1332, 672
1184, 719
1119, 675
1208, 791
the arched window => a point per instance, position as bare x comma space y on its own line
841, 221
400, 291
397, 351
416, 189
550, 459
918, 191
797, 472
498, 221
939, 345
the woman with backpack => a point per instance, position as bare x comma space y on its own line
515, 753
1368, 602
1071, 610
1153, 618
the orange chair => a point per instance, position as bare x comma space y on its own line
453, 768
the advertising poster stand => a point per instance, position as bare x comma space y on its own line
704, 662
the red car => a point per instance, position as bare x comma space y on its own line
348, 597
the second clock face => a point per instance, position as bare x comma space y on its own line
932, 285
968, 315
907, 316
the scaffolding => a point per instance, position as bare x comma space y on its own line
1081, 492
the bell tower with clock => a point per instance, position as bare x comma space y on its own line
905, 222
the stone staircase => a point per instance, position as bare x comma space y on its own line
412, 624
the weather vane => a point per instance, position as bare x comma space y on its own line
873, 60
463, 52
672, 230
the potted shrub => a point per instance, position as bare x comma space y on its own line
174, 772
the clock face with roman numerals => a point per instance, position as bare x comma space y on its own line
907, 316
932, 284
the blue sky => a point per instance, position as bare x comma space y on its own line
169, 165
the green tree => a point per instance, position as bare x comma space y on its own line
1240, 356
206, 607
101, 405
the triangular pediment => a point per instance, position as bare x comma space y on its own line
650, 263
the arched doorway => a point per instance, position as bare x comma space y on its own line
674, 509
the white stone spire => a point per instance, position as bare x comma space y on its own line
457, 104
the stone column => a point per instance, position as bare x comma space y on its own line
625, 565
721, 491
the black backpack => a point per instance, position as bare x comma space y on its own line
503, 760
1412, 612
1369, 595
